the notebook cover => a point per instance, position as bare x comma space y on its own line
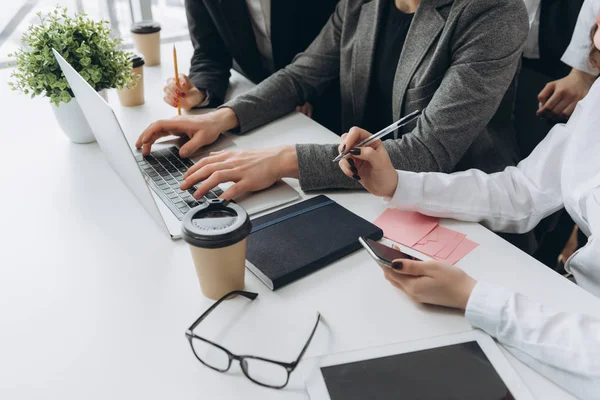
317, 234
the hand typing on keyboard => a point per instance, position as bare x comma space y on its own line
250, 170
201, 129
163, 171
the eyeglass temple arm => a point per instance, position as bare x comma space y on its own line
248, 295
309, 340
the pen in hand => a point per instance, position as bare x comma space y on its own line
407, 119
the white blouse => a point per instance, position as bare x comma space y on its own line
578, 52
562, 171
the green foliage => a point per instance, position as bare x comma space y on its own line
84, 43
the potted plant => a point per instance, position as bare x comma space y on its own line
87, 45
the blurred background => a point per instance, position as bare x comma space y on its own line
17, 15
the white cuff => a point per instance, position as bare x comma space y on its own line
485, 307
409, 192
576, 59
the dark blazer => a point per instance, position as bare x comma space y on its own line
222, 35
458, 64
557, 22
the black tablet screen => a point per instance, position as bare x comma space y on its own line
460, 371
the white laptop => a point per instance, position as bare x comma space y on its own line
155, 179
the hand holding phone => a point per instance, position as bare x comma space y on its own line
382, 254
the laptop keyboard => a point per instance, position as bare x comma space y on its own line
163, 171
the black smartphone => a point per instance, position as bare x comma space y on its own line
384, 255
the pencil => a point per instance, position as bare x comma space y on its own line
176, 77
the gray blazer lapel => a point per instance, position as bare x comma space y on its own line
427, 24
362, 55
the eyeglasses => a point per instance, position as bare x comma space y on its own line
262, 371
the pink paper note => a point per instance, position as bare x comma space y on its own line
405, 227
451, 245
438, 240
432, 236
464, 248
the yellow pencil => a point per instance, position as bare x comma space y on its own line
176, 77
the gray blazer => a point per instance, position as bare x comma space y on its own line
458, 64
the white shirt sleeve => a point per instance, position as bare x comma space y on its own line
513, 200
564, 347
578, 52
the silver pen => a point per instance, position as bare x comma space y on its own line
407, 119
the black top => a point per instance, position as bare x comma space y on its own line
390, 40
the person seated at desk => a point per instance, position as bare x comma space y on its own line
559, 98
562, 171
257, 38
455, 60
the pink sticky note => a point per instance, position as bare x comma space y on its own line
432, 236
451, 245
405, 227
437, 240
464, 248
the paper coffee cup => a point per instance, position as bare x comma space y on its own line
146, 39
216, 232
135, 96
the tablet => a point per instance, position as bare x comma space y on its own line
462, 366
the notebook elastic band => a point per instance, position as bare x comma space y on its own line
290, 216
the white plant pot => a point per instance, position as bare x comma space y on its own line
73, 122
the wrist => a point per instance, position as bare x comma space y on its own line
393, 185
466, 292
195, 97
289, 162
201, 95
226, 119
578, 74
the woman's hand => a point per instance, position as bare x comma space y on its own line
431, 282
370, 165
251, 170
201, 129
186, 94
559, 98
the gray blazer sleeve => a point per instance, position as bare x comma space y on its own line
308, 75
486, 54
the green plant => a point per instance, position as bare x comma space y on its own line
84, 43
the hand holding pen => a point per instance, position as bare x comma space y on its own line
370, 164
407, 119
180, 91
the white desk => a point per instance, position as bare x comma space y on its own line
95, 298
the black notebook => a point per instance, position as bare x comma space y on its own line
291, 243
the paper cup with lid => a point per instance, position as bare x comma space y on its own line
135, 96
217, 233
146, 39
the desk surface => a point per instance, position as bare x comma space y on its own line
95, 298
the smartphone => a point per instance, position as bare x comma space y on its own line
384, 255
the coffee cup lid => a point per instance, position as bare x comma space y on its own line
136, 60
146, 26
216, 223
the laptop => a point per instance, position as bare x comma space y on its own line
155, 179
